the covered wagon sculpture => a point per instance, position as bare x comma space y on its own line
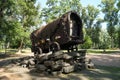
64, 33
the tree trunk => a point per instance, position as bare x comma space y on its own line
21, 46
104, 51
112, 42
8, 45
5, 47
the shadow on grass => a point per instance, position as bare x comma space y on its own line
6, 62
11, 51
8, 53
3, 55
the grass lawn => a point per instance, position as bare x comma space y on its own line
100, 51
8, 51
13, 51
89, 51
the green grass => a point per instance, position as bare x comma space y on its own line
13, 51
100, 51
9, 51
89, 51
2, 50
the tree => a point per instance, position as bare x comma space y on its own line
8, 23
16, 19
118, 38
111, 17
118, 31
96, 33
118, 4
104, 40
87, 44
89, 17
28, 16
55, 8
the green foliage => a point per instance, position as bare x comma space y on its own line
95, 34
16, 19
92, 14
8, 22
111, 17
100, 51
55, 8
103, 46
28, 13
87, 44
89, 17
105, 40
118, 4
117, 37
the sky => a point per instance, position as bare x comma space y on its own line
84, 4
91, 2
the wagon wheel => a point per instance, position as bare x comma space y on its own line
76, 47
38, 51
55, 47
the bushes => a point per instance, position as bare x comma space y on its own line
87, 44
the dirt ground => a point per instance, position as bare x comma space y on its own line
105, 59
12, 72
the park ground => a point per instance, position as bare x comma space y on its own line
107, 67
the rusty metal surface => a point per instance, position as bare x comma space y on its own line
60, 30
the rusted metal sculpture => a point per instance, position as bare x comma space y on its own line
63, 33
